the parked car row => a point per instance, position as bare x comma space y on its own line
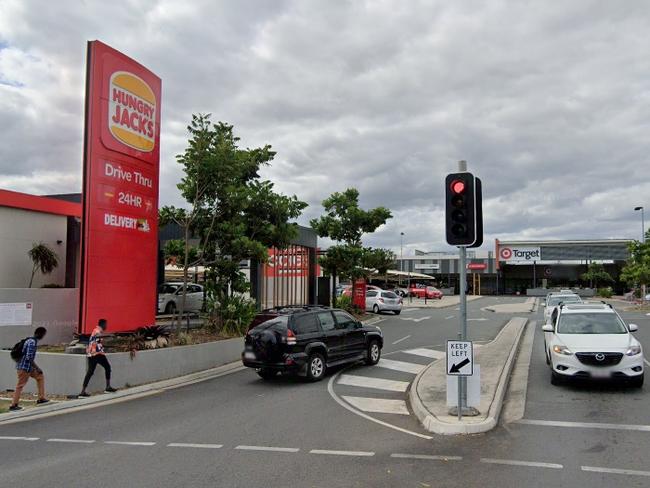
170, 295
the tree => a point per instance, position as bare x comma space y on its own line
174, 252
637, 269
43, 258
596, 274
236, 215
344, 221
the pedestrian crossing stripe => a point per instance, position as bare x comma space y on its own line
401, 366
378, 405
427, 353
376, 383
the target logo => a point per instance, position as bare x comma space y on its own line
506, 253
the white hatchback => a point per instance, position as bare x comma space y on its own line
382, 300
592, 341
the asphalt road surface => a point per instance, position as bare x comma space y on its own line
240, 431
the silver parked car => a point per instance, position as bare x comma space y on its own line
171, 294
382, 300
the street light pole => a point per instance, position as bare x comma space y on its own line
636, 209
401, 257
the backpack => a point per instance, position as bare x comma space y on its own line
17, 350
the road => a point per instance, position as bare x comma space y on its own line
239, 431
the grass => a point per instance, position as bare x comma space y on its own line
4, 406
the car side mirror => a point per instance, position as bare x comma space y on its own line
633, 327
358, 325
547, 327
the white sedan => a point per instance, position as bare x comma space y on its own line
170, 296
382, 300
591, 341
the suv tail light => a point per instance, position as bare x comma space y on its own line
291, 338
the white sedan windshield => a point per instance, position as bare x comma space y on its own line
590, 323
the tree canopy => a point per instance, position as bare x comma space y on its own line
637, 269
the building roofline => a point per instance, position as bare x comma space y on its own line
564, 242
25, 201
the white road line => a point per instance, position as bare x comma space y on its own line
400, 340
426, 457
377, 383
342, 453
197, 446
378, 405
513, 462
585, 425
337, 399
267, 448
450, 317
630, 472
401, 366
72, 441
646, 362
124, 443
13, 438
427, 353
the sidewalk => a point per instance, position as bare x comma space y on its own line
58, 408
428, 393
446, 301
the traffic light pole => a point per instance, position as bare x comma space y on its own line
462, 332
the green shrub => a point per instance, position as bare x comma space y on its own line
605, 292
344, 302
232, 316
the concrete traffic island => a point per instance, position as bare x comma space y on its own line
428, 392
444, 302
527, 306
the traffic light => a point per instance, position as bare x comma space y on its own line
464, 210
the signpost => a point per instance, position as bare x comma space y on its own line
460, 358
119, 252
464, 228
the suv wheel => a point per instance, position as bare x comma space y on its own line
375, 308
373, 354
637, 381
316, 367
170, 308
556, 379
267, 374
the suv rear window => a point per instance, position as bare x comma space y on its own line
326, 321
278, 324
305, 323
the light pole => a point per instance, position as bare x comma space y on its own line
636, 209
401, 256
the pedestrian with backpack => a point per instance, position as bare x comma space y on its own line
26, 368
96, 355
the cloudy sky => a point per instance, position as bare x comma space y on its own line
549, 102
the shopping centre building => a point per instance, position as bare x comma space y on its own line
517, 266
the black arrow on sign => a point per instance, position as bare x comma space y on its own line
456, 367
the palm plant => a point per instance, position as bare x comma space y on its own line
43, 258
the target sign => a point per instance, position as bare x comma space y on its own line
506, 253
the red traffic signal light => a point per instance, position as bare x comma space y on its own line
457, 187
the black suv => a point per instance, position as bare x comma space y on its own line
307, 341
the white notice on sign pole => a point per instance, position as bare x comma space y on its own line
460, 358
15, 314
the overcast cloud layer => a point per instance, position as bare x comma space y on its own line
548, 101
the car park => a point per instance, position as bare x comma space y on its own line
170, 296
430, 292
383, 301
307, 341
592, 341
554, 299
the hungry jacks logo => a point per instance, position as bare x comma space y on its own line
132, 111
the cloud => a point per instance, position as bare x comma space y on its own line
547, 102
